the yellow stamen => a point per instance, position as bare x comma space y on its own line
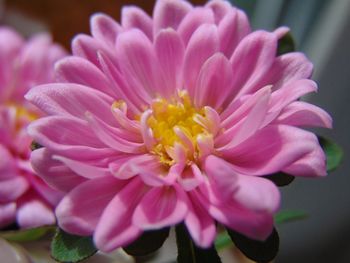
23, 115
166, 116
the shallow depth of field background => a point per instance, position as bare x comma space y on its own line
322, 30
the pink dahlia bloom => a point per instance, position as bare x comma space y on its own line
24, 197
173, 118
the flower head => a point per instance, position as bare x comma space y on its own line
24, 197
173, 118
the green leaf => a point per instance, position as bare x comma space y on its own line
280, 179
222, 240
289, 216
333, 153
188, 252
149, 242
286, 44
26, 235
71, 248
260, 251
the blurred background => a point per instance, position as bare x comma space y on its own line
322, 30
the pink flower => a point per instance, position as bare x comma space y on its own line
175, 118
24, 197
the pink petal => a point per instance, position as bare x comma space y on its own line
300, 113
147, 167
232, 28
193, 20
120, 86
81, 209
34, 212
257, 194
140, 65
7, 53
51, 196
249, 118
168, 13
71, 99
7, 214
87, 47
7, 164
257, 50
134, 17
281, 31
110, 137
222, 178
220, 9
104, 29
251, 224
199, 223
115, 228
270, 150
202, 45
80, 71
53, 172
312, 164
161, 207
83, 169
38, 57
125, 168
190, 178
57, 131
170, 51
214, 82
286, 69
13, 188
291, 92
36, 65
48, 131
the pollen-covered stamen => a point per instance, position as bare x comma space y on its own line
180, 129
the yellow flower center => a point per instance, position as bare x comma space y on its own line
175, 122
23, 115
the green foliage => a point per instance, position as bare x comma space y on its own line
333, 153
70, 248
26, 235
289, 216
223, 240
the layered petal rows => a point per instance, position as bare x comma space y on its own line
175, 118
24, 197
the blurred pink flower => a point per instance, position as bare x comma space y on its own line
175, 118
24, 197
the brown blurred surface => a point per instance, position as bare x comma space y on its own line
66, 18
